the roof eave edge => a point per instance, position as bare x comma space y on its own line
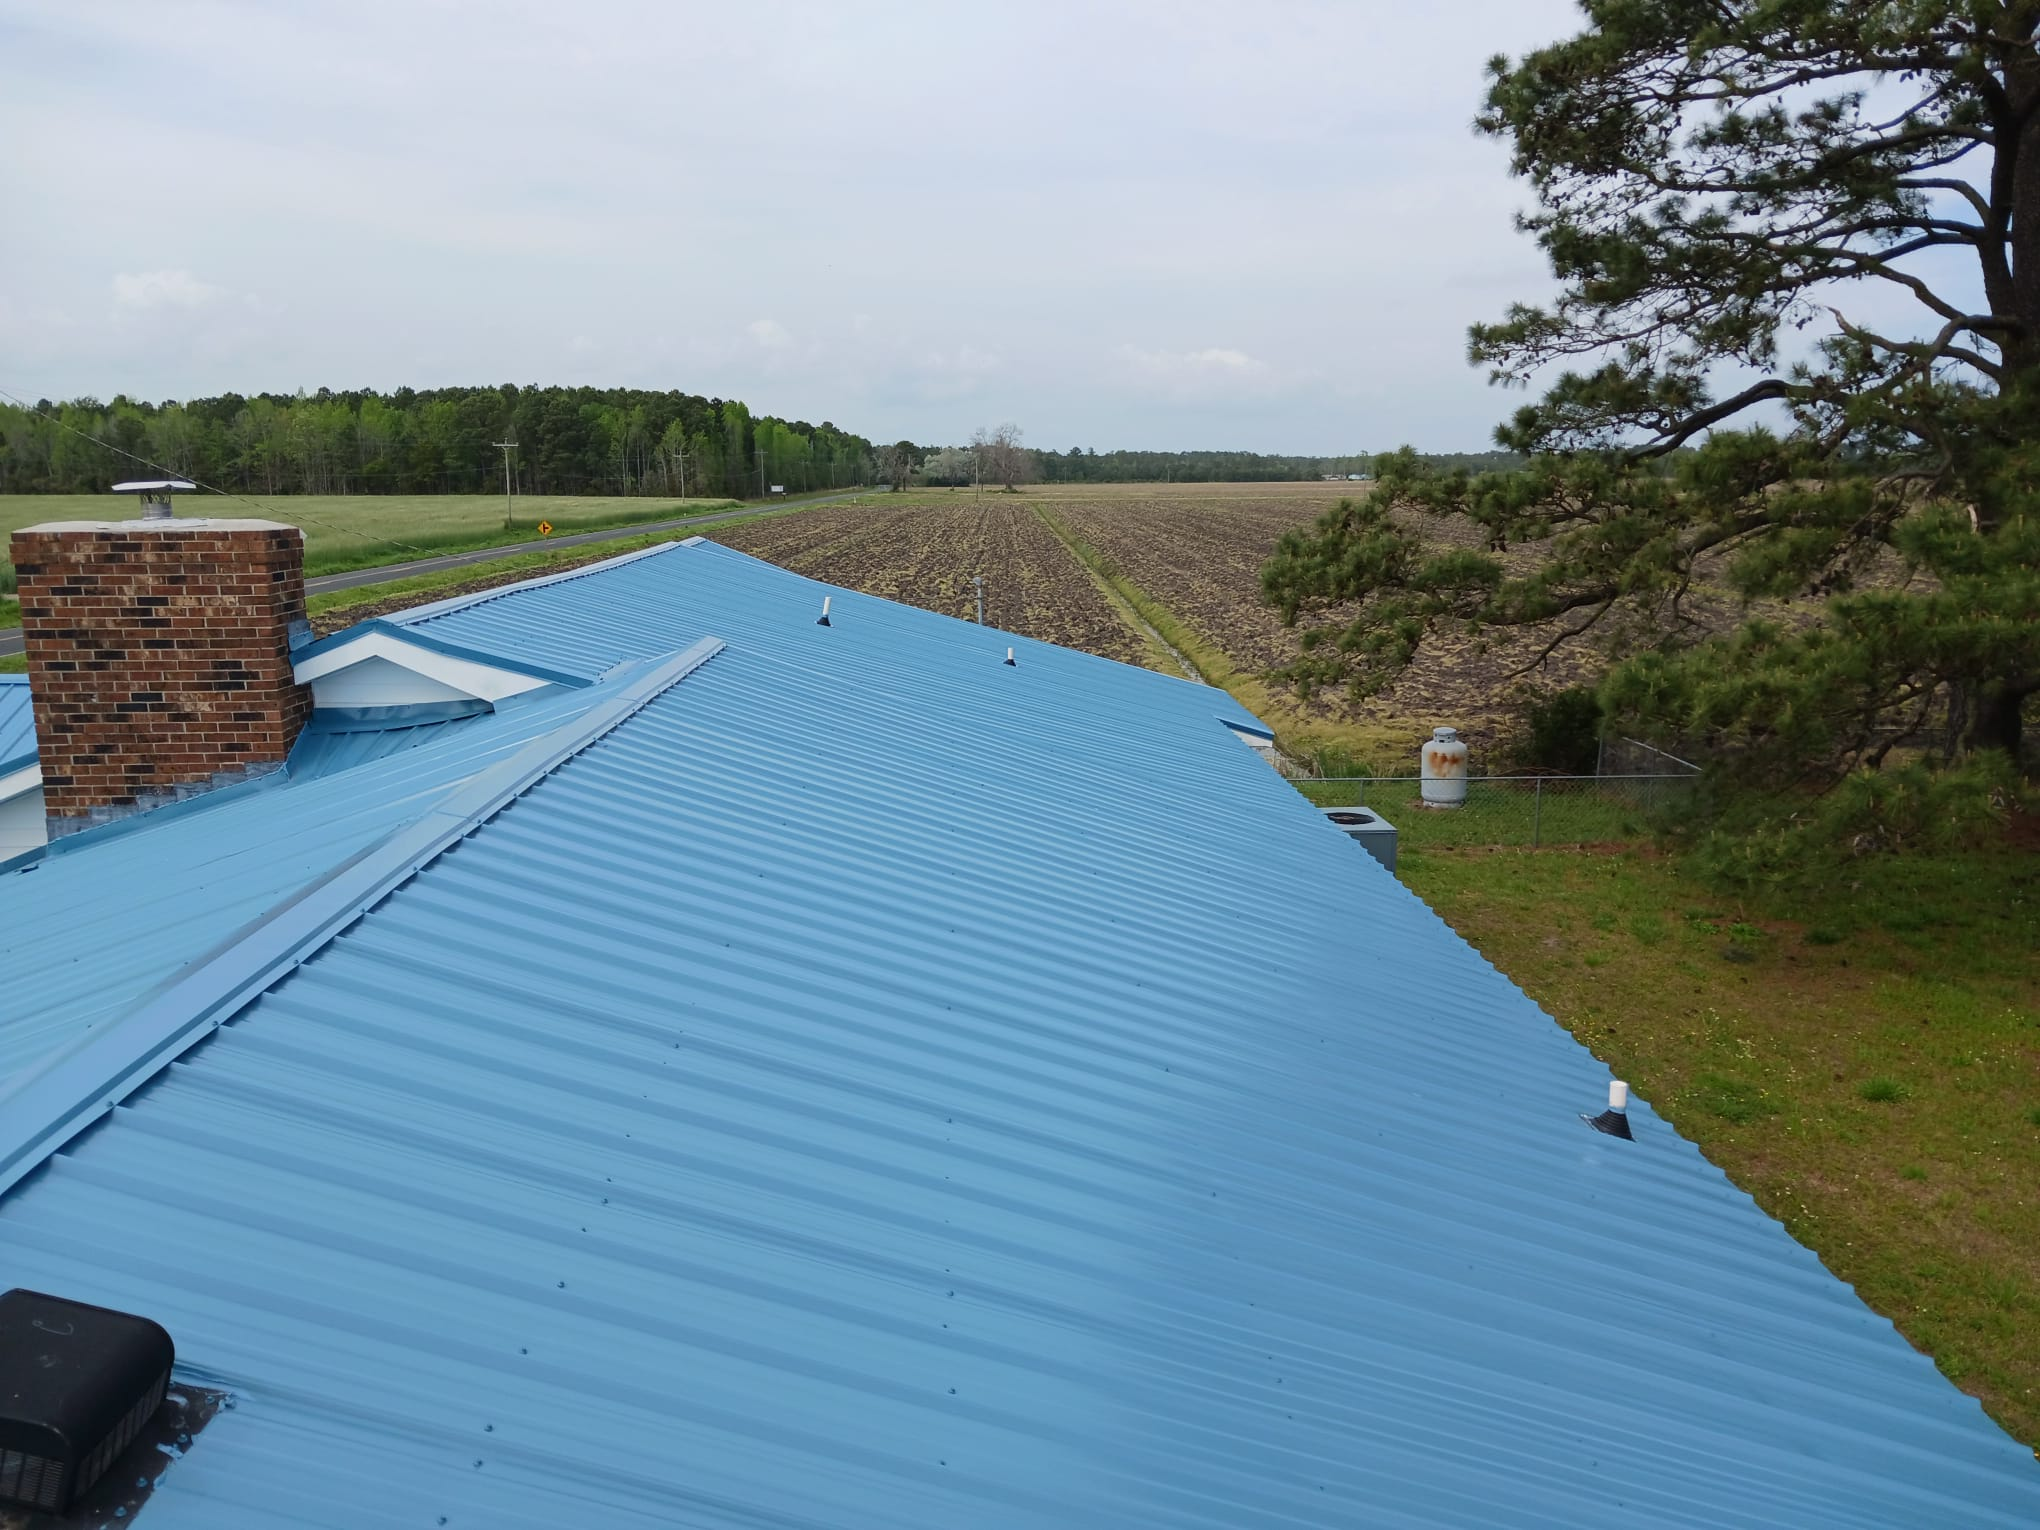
50, 1105
425, 613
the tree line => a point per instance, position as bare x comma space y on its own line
430, 441
997, 457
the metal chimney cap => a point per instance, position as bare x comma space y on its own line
154, 485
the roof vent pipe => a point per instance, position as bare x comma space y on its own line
1010, 659
155, 493
1615, 1119
823, 619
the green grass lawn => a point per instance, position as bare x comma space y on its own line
362, 530
1568, 811
1866, 1063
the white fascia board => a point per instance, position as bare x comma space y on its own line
15, 782
433, 676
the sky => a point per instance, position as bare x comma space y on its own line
1115, 224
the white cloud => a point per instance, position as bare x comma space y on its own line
162, 289
770, 333
1212, 362
1212, 371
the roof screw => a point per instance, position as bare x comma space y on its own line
1615, 1119
823, 619
1009, 658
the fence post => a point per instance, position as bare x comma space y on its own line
1537, 816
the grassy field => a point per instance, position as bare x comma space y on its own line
1866, 1064
1527, 812
359, 531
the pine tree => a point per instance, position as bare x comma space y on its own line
1835, 204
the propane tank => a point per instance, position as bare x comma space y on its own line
1442, 766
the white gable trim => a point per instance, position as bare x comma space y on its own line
22, 825
381, 669
15, 782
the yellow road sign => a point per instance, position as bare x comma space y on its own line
545, 528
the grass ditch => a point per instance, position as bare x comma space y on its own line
1869, 1088
1162, 655
1297, 733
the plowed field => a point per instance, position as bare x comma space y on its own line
1193, 550
925, 552
1200, 555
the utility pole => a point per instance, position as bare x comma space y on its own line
979, 581
508, 447
761, 473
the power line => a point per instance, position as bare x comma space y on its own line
121, 451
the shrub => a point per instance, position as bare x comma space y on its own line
1916, 808
1562, 732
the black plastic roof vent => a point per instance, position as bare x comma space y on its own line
1614, 1121
77, 1384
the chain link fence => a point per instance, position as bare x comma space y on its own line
1633, 757
1514, 810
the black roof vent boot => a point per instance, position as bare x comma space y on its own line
77, 1384
1615, 1119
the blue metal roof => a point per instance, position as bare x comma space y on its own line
870, 1085
17, 724
109, 915
582, 626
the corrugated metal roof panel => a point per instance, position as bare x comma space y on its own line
105, 917
46, 1106
648, 604
17, 724
825, 1103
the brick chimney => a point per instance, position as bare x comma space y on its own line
159, 658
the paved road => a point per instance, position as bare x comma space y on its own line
325, 584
